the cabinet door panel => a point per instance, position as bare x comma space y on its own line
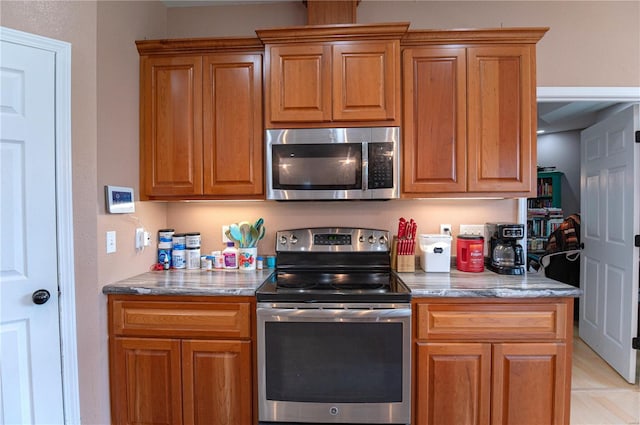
299, 87
233, 125
453, 383
529, 384
171, 130
364, 81
217, 382
145, 381
434, 120
501, 113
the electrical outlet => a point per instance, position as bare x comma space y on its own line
445, 229
111, 241
225, 239
146, 239
139, 238
472, 229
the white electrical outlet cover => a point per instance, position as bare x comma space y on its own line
111, 242
445, 229
225, 239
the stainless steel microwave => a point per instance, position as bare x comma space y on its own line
333, 163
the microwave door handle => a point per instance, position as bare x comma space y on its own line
365, 166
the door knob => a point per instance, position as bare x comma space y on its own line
40, 296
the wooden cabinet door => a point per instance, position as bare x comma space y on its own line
501, 110
217, 381
145, 381
529, 384
232, 106
434, 157
171, 128
366, 81
453, 383
299, 83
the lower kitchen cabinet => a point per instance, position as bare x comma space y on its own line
498, 362
181, 360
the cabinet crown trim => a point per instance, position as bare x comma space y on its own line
198, 45
327, 33
521, 35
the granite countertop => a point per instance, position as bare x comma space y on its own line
454, 284
485, 284
191, 282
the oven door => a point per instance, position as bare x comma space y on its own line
334, 363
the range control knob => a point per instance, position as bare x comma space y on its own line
283, 240
382, 240
372, 239
361, 239
293, 239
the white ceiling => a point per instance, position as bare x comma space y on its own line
554, 117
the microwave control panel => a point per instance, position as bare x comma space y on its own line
380, 165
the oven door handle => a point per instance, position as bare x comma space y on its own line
334, 314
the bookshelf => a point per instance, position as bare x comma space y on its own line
544, 213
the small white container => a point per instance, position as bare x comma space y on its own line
178, 259
192, 240
192, 258
436, 253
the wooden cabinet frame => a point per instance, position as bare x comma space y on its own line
492, 361
469, 112
332, 76
179, 359
201, 132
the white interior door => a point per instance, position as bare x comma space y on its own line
30, 356
610, 216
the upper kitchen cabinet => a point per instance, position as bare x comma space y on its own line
469, 112
201, 119
332, 75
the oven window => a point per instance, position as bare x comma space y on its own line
335, 166
333, 362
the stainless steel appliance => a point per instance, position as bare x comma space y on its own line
333, 163
334, 331
506, 255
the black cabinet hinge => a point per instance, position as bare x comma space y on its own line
638, 136
635, 343
637, 241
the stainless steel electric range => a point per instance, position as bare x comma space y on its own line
334, 331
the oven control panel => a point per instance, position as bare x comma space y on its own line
332, 239
341, 239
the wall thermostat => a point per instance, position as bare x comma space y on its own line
119, 199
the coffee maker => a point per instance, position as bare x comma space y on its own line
506, 255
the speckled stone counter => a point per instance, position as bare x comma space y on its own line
190, 282
454, 284
486, 284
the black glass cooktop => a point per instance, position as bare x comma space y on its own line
323, 286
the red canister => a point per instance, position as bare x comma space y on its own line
470, 253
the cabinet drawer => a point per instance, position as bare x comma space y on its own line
177, 319
491, 321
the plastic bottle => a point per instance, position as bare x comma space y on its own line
230, 254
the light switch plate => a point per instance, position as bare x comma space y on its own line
111, 242
139, 238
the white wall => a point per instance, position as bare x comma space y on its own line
562, 150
